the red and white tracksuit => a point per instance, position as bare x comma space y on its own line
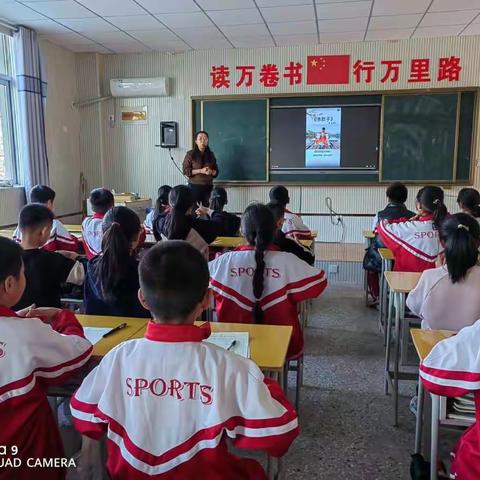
60, 238
452, 369
293, 226
415, 244
287, 281
92, 234
33, 356
168, 401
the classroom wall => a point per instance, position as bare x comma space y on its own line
125, 156
62, 125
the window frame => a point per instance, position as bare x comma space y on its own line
12, 162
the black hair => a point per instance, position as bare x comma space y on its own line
205, 157
35, 216
278, 211
120, 227
279, 194
178, 223
41, 194
469, 199
218, 199
101, 200
162, 200
174, 279
10, 258
258, 226
397, 192
460, 236
431, 199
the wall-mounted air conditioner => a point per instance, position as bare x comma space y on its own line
139, 87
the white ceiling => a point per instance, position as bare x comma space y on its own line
125, 26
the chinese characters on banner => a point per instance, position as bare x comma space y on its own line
336, 69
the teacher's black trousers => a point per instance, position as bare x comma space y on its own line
201, 193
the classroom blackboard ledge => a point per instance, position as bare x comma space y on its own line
315, 183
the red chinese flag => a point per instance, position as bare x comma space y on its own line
323, 69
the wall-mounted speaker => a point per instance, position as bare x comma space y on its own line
168, 134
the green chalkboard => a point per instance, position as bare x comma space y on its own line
419, 137
237, 131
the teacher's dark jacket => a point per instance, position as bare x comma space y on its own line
196, 163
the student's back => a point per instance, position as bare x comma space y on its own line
101, 200
256, 283
46, 272
293, 225
447, 297
415, 243
228, 224
111, 285
60, 238
180, 224
161, 205
174, 399
33, 355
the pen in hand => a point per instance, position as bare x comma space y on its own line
116, 329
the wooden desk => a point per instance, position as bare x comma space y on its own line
73, 228
234, 242
7, 233
386, 254
424, 341
339, 252
399, 283
101, 348
268, 343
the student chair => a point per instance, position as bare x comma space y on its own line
294, 364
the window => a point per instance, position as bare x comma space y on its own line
7, 144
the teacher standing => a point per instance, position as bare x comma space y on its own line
200, 166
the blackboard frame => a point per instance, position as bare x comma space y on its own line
346, 179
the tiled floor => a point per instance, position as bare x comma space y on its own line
346, 420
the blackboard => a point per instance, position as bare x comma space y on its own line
237, 131
419, 134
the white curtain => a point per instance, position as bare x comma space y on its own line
32, 166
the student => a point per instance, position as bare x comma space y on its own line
45, 271
293, 225
101, 201
256, 283
60, 238
34, 354
161, 207
469, 201
180, 224
451, 370
397, 195
112, 278
169, 401
415, 243
287, 244
458, 277
229, 223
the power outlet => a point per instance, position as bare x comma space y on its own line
332, 268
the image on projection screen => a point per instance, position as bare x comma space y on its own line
323, 140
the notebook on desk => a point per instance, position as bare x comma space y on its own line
236, 342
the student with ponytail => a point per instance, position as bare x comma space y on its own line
447, 297
256, 283
415, 242
469, 201
111, 287
228, 223
161, 208
180, 224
